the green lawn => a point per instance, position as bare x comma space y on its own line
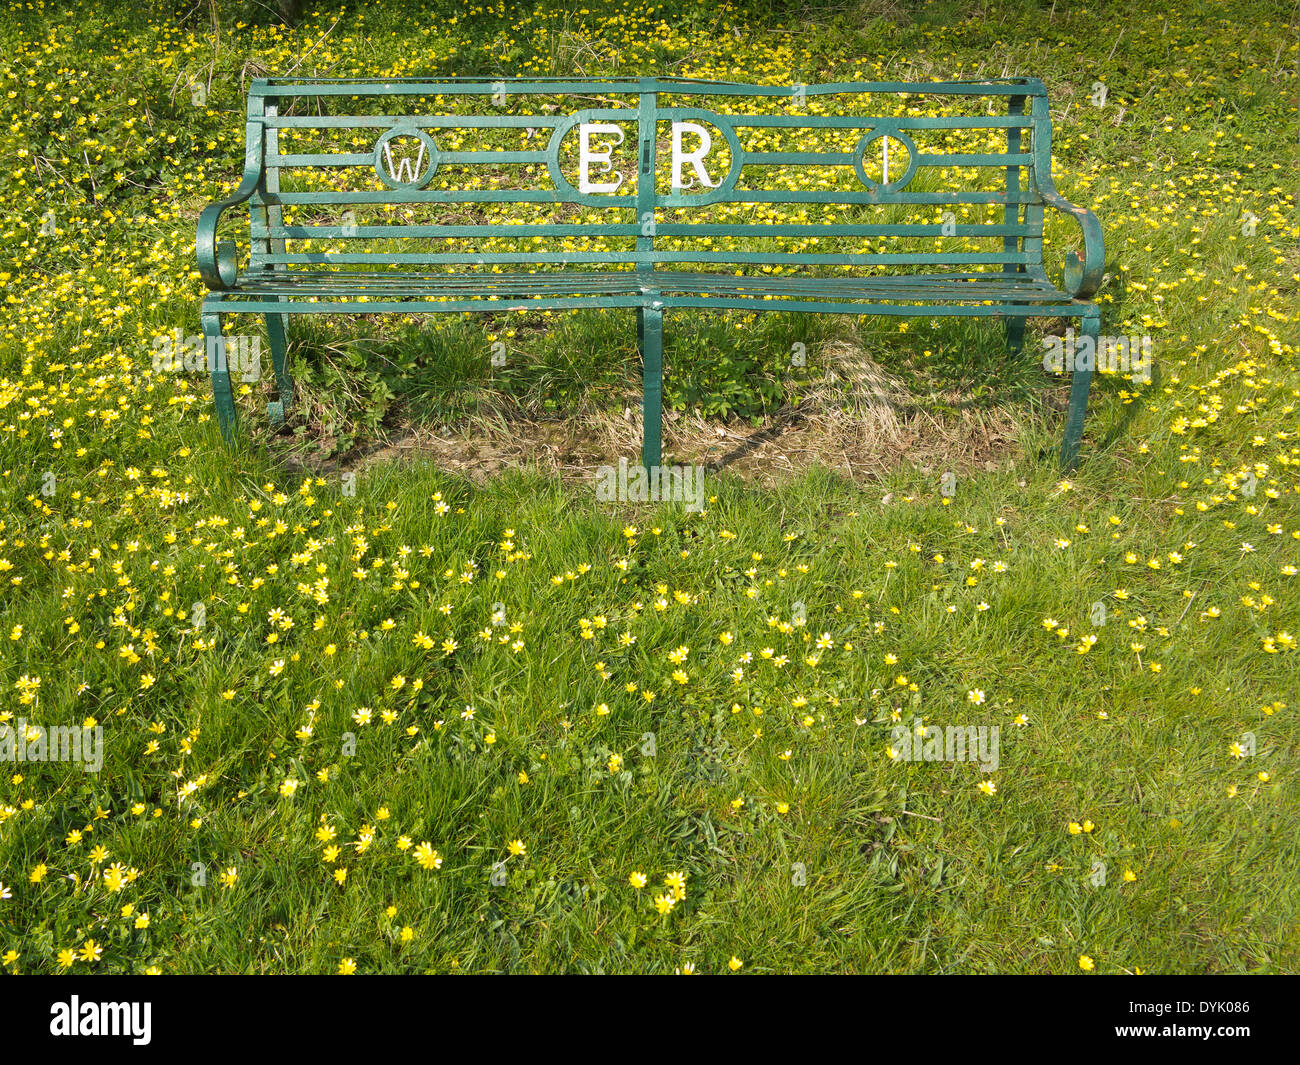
407, 723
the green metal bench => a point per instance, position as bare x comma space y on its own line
649, 194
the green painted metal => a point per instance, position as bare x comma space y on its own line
650, 332
222, 394
1081, 379
411, 238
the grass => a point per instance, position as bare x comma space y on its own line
282, 663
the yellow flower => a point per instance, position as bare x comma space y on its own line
347, 967
115, 877
1085, 963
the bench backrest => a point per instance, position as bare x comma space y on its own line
535, 174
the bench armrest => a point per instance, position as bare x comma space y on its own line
216, 259
1082, 275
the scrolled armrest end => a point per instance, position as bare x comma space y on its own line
216, 258
1082, 273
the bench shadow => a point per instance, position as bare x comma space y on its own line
955, 406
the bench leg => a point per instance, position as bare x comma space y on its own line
650, 337
1015, 335
1079, 383
223, 395
276, 409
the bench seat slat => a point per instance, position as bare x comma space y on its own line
475, 232
890, 305
330, 285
